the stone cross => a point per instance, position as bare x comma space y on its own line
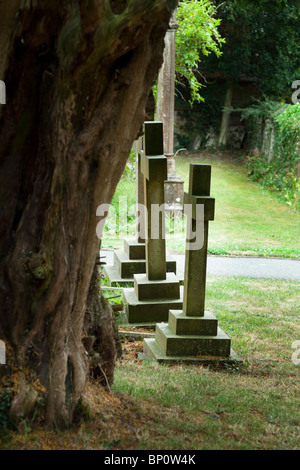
196, 259
154, 169
192, 335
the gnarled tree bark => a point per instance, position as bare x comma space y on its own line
77, 76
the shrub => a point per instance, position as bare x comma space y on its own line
281, 172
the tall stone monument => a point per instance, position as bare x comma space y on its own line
192, 334
165, 113
155, 291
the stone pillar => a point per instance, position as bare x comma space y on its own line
166, 95
165, 114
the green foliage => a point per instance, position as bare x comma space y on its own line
288, 131
281, 174
5, 402
130, 165
201, 118
262, 42
197, 36
255, 116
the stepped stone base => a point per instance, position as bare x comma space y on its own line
114, 279
149, 311
128, 267
152, 351
180, 324
134, 249
124, 268
190, 339
168, 288
188, 345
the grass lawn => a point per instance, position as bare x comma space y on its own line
158, 407
252, 407
249, 220
255, 406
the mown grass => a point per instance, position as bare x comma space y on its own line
249, 220
254, 406
187, 407
205, 409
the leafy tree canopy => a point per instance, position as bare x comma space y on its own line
262, 42
196, 37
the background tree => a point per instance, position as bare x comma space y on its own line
262, 42
78, 75
262, 48
196, 37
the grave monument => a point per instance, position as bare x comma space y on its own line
165, 113
132, 258
156, 290
192, 334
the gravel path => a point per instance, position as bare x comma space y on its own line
266, 268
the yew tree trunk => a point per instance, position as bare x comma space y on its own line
77, 75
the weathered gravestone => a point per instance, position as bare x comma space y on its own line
155, 291
132, 258
192, 334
